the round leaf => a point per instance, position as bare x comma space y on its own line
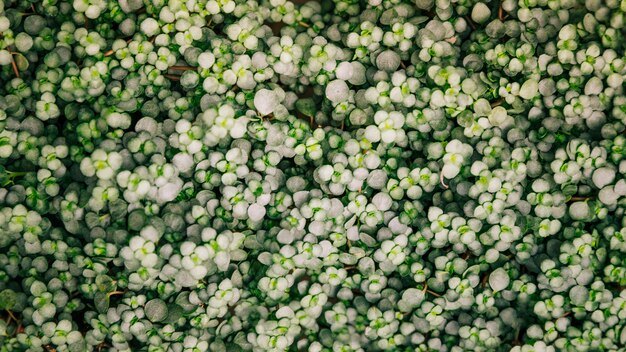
156, 310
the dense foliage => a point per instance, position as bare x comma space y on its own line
342, 175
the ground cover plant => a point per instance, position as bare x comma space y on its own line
336, 175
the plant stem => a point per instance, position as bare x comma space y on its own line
14, 66
183, 68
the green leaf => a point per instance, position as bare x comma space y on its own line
175, 312
136, 220
79, 346
156, 310
105, 283
118, 209
92, 220
101, 301
182, 300
569, 189
306, 107
8, 299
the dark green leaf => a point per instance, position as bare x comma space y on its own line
306, 107
101, 301
105, 283
8, 299
175, 312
